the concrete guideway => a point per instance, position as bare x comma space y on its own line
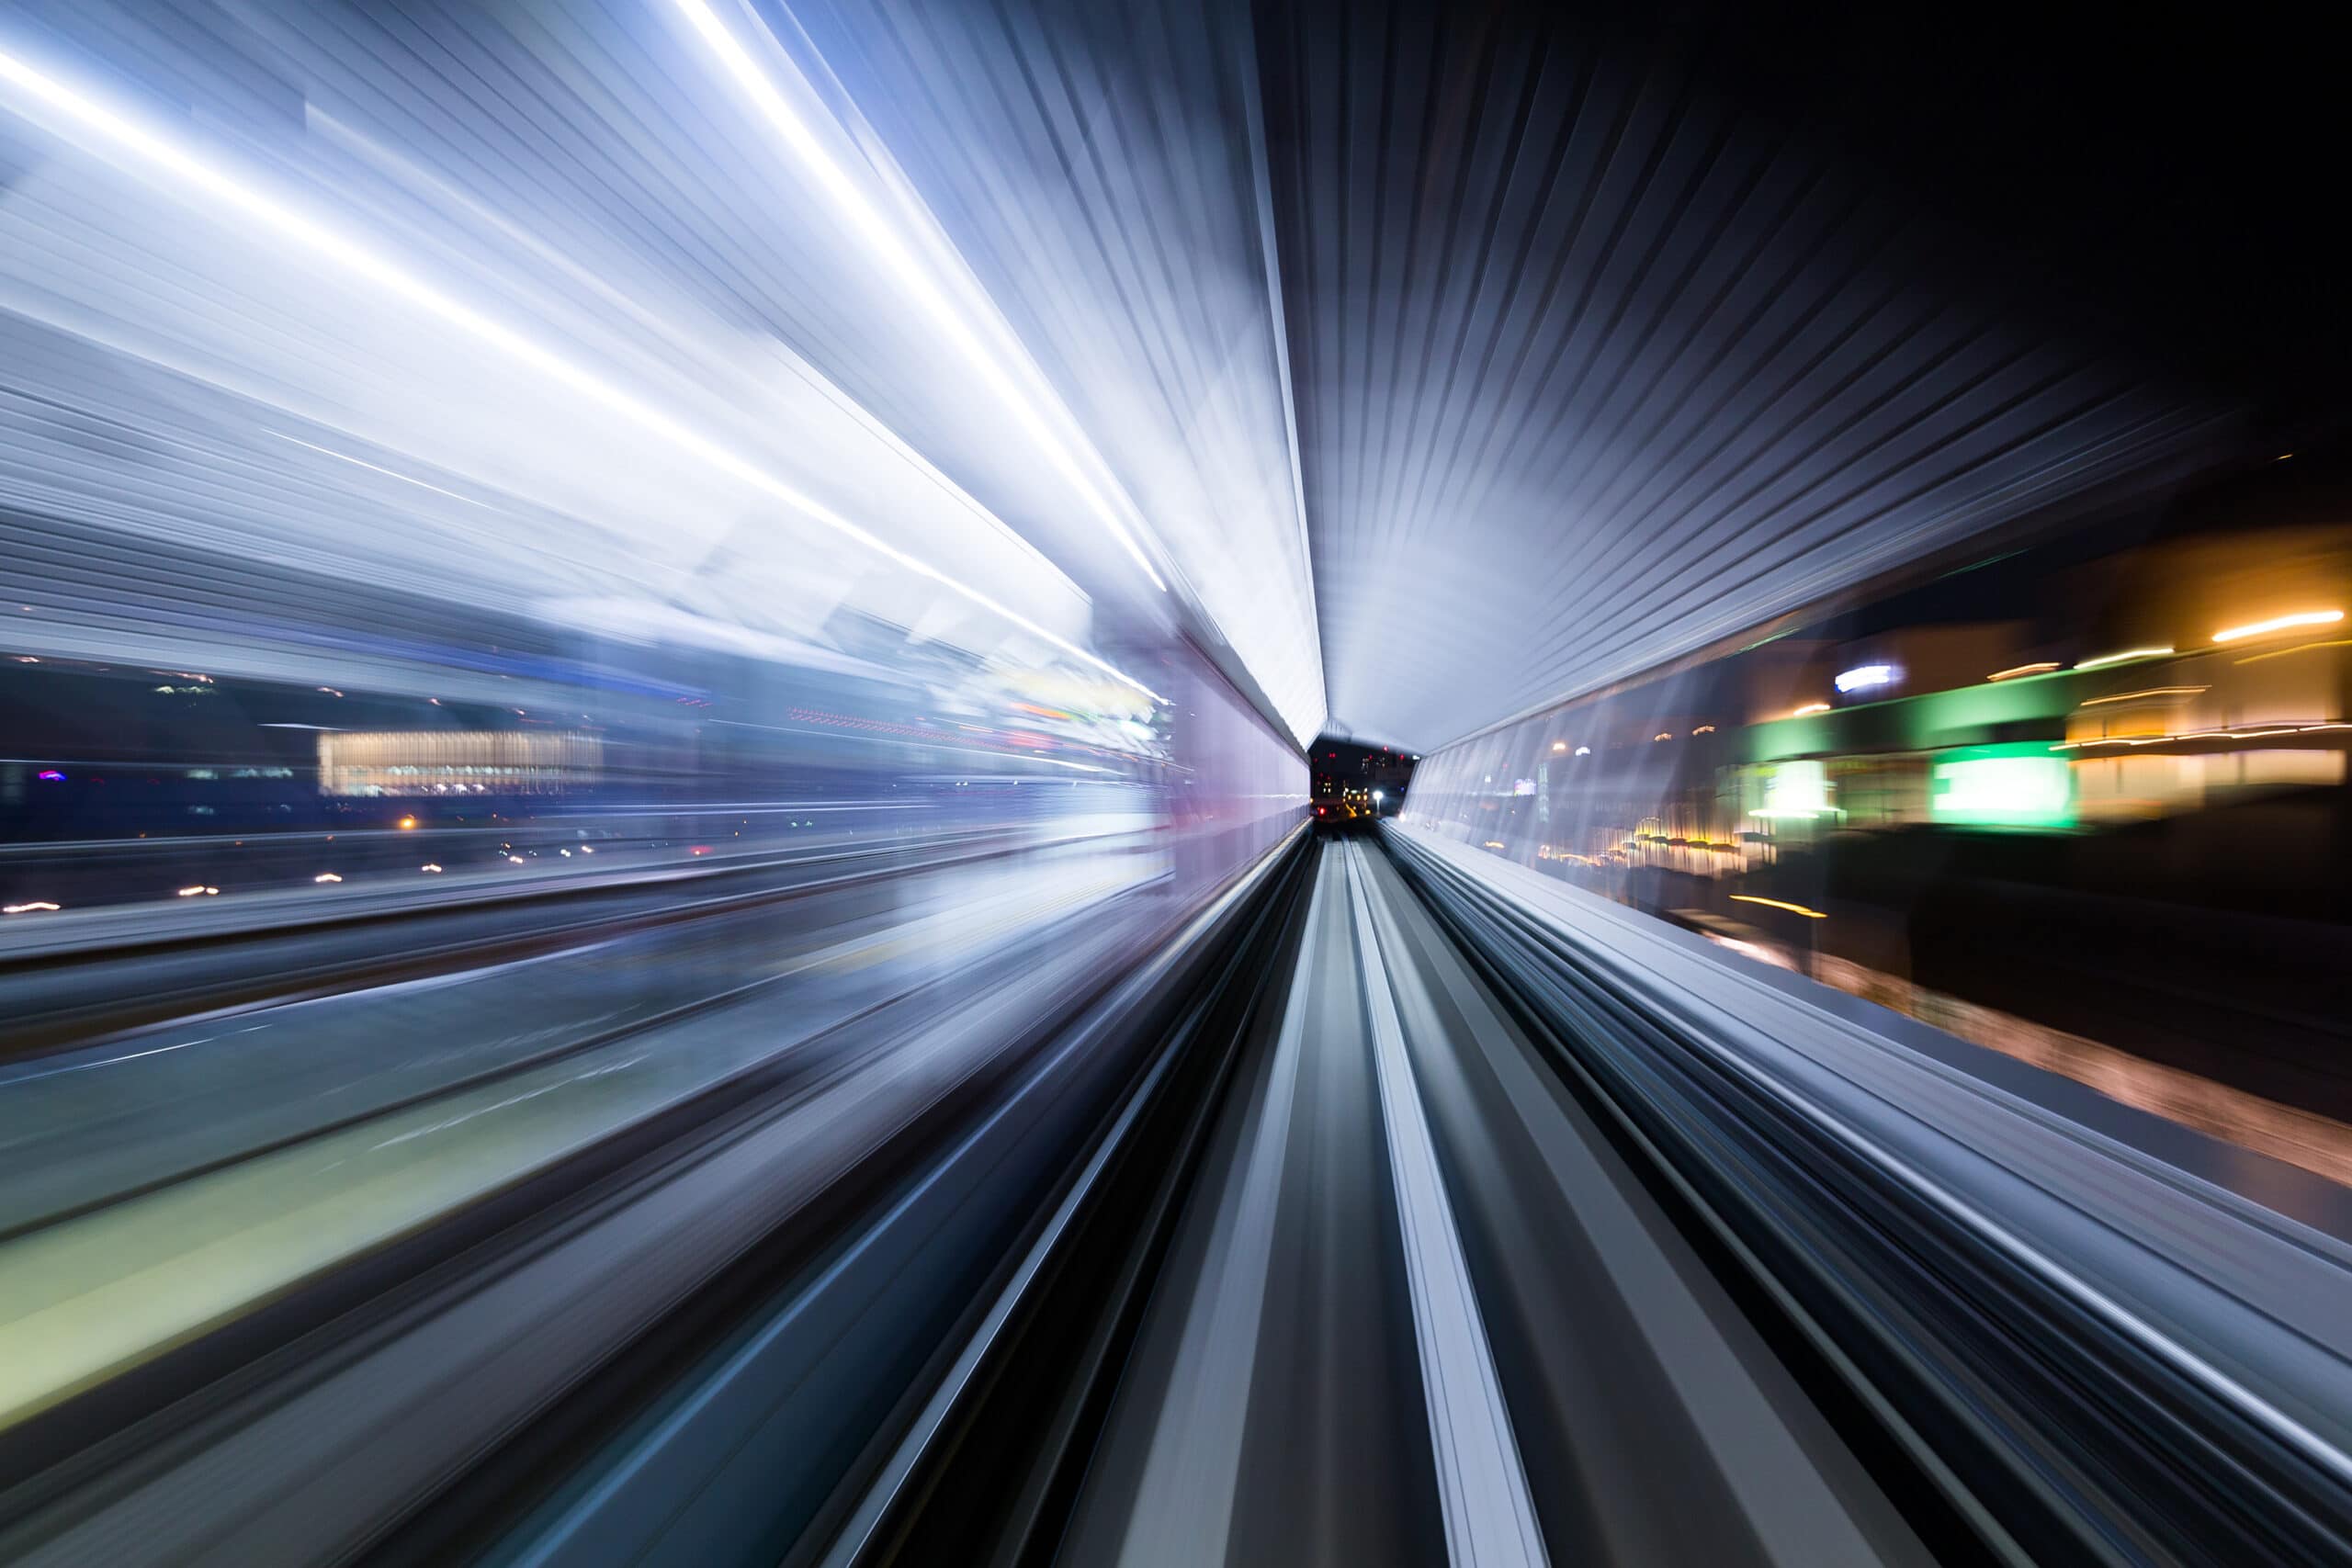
1420, 1309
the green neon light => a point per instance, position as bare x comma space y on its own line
2002, 786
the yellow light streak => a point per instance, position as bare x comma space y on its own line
2151, 691
2279, 624
2208, 735
2106, 659
2298, 648
1778, 904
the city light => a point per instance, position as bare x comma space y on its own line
2106, 659
1800, 711
2151, 691
1865, 676
1778, 904
2041, 667
2279, 624
2225, 734
2002, 786
1796, 788
36, 907
2298, 648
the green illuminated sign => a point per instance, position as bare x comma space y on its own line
2002, 786
1795, 789
1933, 720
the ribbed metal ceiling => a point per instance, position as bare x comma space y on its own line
1446, 362
1593, 368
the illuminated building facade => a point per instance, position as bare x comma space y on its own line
457, 761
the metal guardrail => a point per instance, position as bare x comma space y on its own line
61, 997
2034, 1339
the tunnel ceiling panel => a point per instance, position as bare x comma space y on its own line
1594, 368
1425, 363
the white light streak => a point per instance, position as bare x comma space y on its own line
2279, 624
374, 468
1866, 676
2142, 696
2105, 659
162, 156
880, 236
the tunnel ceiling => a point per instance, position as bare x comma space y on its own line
1424, 363
1606, 348
1590, 347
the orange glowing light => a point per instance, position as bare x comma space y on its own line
2291, 727
2151, 691
1778, 904
2106, 659
2279, 624
2298, 648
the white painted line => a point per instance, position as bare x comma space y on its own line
1183, 1504
1482, 1487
